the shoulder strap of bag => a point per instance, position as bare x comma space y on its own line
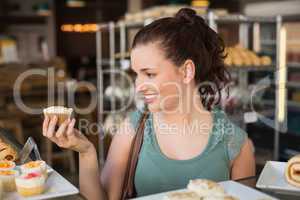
128, 190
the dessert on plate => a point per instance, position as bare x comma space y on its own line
38, 166
219, 198
184, 195
7, 165
292, 171
8, 180
7, 152
30, 184
61, 112
205, 187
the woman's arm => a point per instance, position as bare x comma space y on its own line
89, 182
91, 186
113, 173
244, 164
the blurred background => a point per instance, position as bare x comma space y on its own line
81, 38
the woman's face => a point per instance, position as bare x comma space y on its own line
158, 80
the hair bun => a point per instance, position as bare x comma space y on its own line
186, 14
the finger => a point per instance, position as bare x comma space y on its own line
62, 129
70, 130
45, 125
51, 127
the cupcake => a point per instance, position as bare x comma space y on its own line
8, 180
7, 165
61, 112
30, 184
38, 166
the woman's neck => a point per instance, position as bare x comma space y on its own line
183, 115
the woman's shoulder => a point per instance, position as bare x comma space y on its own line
224, 124
232, 135
134, 117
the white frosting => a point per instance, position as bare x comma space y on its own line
41, 168
31, 182
58, 110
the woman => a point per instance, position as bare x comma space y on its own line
185, 137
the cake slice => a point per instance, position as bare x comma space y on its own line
8, 180
30, 184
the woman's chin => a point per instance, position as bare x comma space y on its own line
153, 108
157, 108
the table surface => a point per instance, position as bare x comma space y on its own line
249, 181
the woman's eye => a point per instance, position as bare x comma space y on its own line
150, 75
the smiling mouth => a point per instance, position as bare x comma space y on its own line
150, 98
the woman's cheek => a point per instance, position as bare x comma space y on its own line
170, 96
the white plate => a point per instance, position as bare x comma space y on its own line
272, 178
56, 186
231, 188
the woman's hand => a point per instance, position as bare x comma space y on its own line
66, 136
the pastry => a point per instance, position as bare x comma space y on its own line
265, 60
184, 195
61, 112
205, 187
226, 197
228, 60
292, 171
30, 184
7, 165
8, 179
7, 152
38, 166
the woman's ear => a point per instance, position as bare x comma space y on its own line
189, 71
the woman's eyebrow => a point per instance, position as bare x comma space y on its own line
147, 69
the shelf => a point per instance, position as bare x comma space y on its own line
94, 5
25, 19
294, 65
291, 18
293, 84
252, 68
293, 104
268, 42
221, 19
244, 19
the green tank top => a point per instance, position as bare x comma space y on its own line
156, 173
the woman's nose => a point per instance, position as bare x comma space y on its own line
141, 87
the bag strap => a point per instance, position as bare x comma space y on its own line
128, 190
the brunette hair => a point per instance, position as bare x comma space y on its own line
187, 36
